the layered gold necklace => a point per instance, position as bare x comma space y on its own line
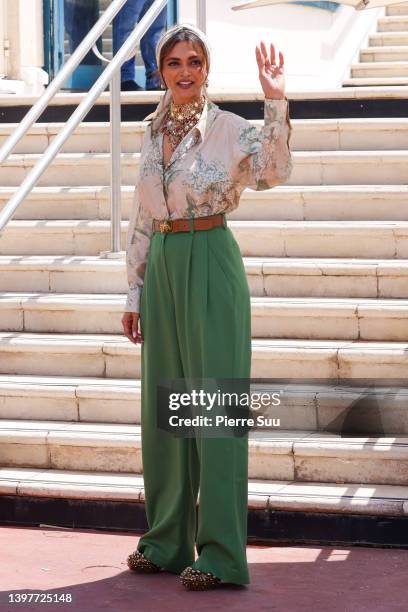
180, 118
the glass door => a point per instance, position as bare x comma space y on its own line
66, 23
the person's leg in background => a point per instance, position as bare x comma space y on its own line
79, 18
122, 25
148, 46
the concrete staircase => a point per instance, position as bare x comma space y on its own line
385, 60
327, 262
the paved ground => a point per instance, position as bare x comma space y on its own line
91, 567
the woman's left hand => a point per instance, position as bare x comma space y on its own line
271, 75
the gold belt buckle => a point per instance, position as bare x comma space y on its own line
165, 226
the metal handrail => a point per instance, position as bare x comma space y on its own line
201, 14
65, 72
49, 154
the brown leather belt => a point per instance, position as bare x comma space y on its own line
185, 225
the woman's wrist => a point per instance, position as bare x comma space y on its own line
274, 98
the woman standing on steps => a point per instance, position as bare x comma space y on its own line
189, 294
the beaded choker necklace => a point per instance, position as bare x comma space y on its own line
180, 118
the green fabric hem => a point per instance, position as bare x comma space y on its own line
161, 562
231, 577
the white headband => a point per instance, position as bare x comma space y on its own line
177, 28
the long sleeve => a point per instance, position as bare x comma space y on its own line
137, 249
262, 155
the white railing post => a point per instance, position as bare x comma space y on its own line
115, 149
115, 162
201, 15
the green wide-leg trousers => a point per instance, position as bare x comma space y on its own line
196, 322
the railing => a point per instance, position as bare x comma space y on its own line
201, 14
111, 75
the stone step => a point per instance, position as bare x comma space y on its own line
64, 398
375, 81
322, 238
88, 137
384, 500
114, 356
106, 52
364, 239
301, 456
330, 407
73, 169
272, 317
397, 9
393, 23
380, 69
106, 44
107, 47
308, 134
218, 95
267, 276
309, 168
284, 202
384, 54
67, 202
388, 38
106, 40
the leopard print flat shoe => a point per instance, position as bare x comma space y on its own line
138, 563
196, 580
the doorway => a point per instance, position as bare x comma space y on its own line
66, 22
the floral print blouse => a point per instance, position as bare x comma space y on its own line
206, 174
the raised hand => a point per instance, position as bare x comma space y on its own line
271, 75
